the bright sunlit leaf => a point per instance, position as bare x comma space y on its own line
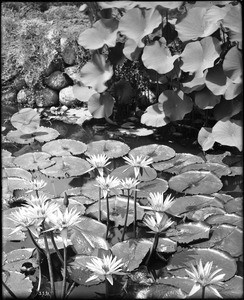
83, 93
205, 99
205, 138
232, 65
27, 120
101, 105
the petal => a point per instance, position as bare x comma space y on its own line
196, 287
214, 290
93, 277
110, 279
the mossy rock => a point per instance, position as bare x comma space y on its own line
47, 97
57, 80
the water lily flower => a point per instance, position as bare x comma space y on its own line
204, 279
37, 184
104, 268
158, 203
129, 183
99, 162
138, 163
64, 222
34, 200
108, 184
158, 223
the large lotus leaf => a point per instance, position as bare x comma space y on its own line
216, 80
232, 65
27, 120
205, 138
166, 245
217, 169
132, 252
103, 31
18, 283
101, 105
13, 183
186, 204
232, 89
175, 164
123, 92
64, 147
16, 172
154, 186
228, 132
233, 21
194, 25
193, 84
96, 73
195, 182
155, 116
34, 161
188, 232
202, 213
7, 159
92, 226
90, 191
67, 166
85, 241
16, 258
128, 172
199, 56
83, 93
227, 238
136, 24
227, 109
205, 99
131, 50
153, 56
224, 198
231, 219
175, 105
8, 227
75, 194
155, 151
185, 258
111, 148
17, 136
234, 205
45, 134
233, 288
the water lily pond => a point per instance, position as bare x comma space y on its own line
100, 211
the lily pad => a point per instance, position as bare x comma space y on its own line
220, 259
136, 132
166, 245
131, 252
67, 166
155, 151
234, 205
231, 219
154, 186
16, 172
8, 227
75, 194
101, 105
92, 226
27, 120
175, 164
233, 288
34, 161
202, 213
186, 233
111, 148
205, 138
217, 169
195, 182
7, 159
82, 93
16, 258
11, 184
205, 99
128, 171
64, 147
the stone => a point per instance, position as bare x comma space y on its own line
54, 65
47, 98
66, 97
9, 96
19, 83
57, 80
23, 96
69, 55
73, 73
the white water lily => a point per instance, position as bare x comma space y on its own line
203, 278
37, 184
104, 268
108, 184
138, 162
158, 223
158, 203
129, 183
99, 162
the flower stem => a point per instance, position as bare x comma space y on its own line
70, 289
153, 248
56, 249
34, 241
99, 206
203, 292
65, 272
126, 215
106, 289
135, 214
39, 271
107, 216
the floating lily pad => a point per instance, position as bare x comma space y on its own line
175, 164
75, 194
166, 245
186, 233
231, 219
8, 227
220, 259
92, 226
34, 161
72, 203
202, 213
16, 258
235, 205
27, 120
155, 151
16, 172
111, 148
154, 186
122, 172
136, 132
67, 166
13, 183
217, 169
195, 182
7, 159
233, 288
64, 147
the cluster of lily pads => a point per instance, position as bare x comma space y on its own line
99, 231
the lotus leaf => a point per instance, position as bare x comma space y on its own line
193, 84
8, 227
64, 147
7, 159
203, 213
231, 219
155, 151
101, 105
186, 204
175, 164
235, 163
220, 259
72, 203
232, 89
195, 182
232, 65
234, 206
132, 252
83, 93
217, 169
136, 132
58, 240
148, 173
205, 99
27, 120
160, 291
166, 245
92, 226
34, 161
111, 148
188, 232
228, 132
154, 186
217, 158
155, 116
67, 166
233, 288
18, 283
205, 138
16, 172
131, 50
90, 190
13, 183
74, 194
103, 31
16, 258
227, 109
96, 73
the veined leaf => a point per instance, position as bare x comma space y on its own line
64, 147
101, 105
27, 120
